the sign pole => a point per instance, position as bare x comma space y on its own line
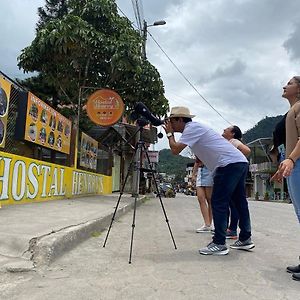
77, 130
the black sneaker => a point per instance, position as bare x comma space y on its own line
245, 245
293, 269
296, 276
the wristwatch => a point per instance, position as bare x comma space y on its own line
169, 134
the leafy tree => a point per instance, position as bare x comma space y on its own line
87, 43
54, 9
41, 88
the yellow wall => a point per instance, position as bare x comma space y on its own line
24, 180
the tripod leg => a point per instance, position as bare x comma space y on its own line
165, 213
138, 164
132, 229
112, 219
158, 193
118, 202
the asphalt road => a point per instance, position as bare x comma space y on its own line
158, 271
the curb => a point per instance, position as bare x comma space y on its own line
48, 248
270, 200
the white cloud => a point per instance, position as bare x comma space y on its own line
17, 29
237, 53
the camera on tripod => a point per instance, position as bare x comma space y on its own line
142, 116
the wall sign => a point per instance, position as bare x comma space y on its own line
5, 89
88, 152
153, 156
45, 126
24, 180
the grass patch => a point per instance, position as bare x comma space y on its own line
96, 234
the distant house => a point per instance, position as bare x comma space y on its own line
189, 174
262, 169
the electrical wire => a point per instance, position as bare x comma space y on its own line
186, 79
137, 15
181, 73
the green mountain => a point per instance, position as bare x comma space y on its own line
264, 128
173, 164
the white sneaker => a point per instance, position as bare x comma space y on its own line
204, 228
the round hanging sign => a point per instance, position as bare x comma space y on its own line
105, 107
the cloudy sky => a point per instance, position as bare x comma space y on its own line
238, 54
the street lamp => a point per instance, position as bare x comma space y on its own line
157, 23
145, 26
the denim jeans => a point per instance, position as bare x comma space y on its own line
293, 183
229, 185
233, 217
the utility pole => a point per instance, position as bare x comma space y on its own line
144, 56
136, 173
144, 34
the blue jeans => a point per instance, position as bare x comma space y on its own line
229, 185
293, 183
233, 217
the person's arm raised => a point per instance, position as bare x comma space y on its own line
175, 147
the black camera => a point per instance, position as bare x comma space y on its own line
142, 110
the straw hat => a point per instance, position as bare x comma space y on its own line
180, 111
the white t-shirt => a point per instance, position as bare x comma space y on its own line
210, 147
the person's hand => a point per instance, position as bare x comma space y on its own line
284, 170
193, 179
277, 177
168, 126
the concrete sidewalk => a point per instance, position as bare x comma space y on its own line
33, 235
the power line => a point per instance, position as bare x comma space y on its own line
12, 81
180, 72
123, 12
132, 23
186, 79
137, 14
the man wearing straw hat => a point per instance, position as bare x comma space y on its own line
229, 167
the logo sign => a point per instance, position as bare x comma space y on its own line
105, 107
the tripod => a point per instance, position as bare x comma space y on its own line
136, 163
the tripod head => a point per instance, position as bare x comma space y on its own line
141, 121
143, 116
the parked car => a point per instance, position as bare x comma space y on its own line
167, 190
